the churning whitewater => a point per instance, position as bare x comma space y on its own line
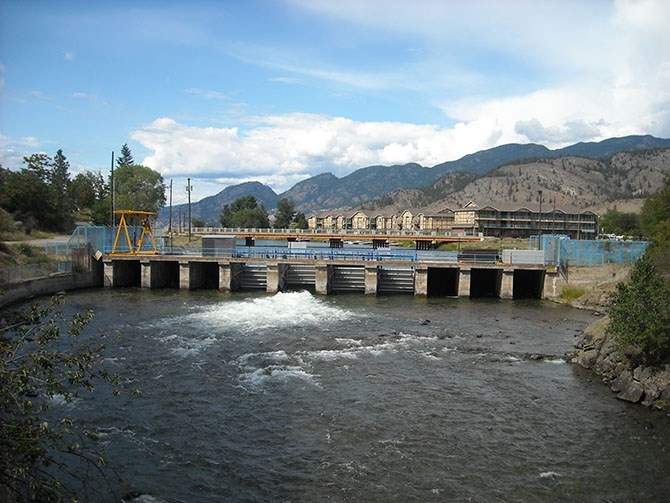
296, 397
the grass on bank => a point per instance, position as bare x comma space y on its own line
570, 293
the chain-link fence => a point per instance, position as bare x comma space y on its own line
561, 250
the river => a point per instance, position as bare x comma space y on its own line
298, 397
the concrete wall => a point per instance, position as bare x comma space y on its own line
40, 287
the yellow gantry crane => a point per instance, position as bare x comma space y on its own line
134, 248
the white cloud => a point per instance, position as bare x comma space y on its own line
207, 94
281, 150
68, 56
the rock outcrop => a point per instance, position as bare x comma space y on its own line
596, 350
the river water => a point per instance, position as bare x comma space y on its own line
297, 397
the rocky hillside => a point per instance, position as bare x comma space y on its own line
569, 181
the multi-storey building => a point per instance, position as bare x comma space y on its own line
499, 219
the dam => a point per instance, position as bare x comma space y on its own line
338, 274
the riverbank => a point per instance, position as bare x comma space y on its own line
595, 348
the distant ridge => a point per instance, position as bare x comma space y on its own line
325, 191
209, 208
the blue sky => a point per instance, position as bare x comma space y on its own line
277, 91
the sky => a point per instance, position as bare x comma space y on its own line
276, 91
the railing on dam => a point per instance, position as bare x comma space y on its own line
269, 233
340, 254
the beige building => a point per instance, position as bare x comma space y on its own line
500, 220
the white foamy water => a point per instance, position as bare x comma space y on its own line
280, 312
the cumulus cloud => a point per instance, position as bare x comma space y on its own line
281, 150
569, 132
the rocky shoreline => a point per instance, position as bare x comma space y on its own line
648, 385
596, 350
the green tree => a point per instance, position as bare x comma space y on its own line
620, 223
640, 313
655, 220
28, 194
300, 221
42, 447
39, 165
126, 157
138, 187
60, 194
285, 213
245, 212
87, 189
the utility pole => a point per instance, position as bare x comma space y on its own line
170, 222
111, 188
539, 223
189, 188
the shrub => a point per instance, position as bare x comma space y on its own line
640, 313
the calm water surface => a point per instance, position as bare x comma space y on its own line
296, 397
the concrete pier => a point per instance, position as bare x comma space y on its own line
371, 278
507, 285
464, 283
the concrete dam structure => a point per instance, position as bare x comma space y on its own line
426, 278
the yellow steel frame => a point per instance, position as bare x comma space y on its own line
134, 249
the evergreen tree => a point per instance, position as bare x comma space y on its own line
300, 221
285, 213
60, 192
126, 157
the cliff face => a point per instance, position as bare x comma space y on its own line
596, 350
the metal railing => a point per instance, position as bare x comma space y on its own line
324, 253
382, 233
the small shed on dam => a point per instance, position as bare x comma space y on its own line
218, 245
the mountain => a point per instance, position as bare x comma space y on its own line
209, 208
611, 146
413, 185
375, 182
568, 181
362, 185
485, 160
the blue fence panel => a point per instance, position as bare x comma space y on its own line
561, 250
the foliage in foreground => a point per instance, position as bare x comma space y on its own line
640, 313
43, 451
